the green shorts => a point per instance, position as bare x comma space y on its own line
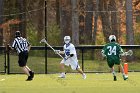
111, 62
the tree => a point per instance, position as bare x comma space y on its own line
40, 19
22, 16
1, 21
7, 34
65, 17
129, 26
95, 22
36, 17
75, 23
81, 13
88, 21
58, 12
129, 23
105, 18
114, 18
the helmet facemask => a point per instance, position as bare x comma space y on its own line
67, 39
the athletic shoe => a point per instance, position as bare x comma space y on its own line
115, 78
125, 77
84, 76
62, 75
29, 78
32, 74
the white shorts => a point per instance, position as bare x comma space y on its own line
73, 63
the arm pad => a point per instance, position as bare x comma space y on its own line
71, 55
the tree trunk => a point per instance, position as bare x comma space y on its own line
120, 3
81, 9
58, 12
22, 17
65, 18
36, 18
129, 23
95, 23
88, 21
40, 21
75, 23
114, 18
129, 26
105, 18
1, 21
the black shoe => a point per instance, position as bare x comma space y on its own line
32, 74
29, 78
115, 78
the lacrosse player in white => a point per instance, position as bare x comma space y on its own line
70, 58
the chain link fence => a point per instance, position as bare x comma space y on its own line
90, 60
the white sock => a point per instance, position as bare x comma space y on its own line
114, 74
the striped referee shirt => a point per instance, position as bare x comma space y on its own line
20, 44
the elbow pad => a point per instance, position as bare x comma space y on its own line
71, 55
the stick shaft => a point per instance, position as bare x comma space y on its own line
52, 48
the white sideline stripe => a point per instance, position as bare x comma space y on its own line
2, 79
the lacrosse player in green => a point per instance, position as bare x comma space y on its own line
113, 51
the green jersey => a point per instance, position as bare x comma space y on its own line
112, 51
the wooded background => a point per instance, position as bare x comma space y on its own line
88, 22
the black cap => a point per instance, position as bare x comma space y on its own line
17, 34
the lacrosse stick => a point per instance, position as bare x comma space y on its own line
44, 41
129, 52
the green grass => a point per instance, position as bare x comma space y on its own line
37, 64
73, 83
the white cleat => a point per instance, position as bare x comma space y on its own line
125, 77
62, 75
84, 76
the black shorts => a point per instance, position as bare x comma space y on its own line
23, 56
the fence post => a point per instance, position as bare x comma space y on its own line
5, 64
46, 64
8, 59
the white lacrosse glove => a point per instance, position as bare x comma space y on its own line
57, 51
102, 52
66, 57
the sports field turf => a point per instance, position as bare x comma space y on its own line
73, 83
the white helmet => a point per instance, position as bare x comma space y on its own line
112, 37
67, 39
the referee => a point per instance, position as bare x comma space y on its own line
22, 46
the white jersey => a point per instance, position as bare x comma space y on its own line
70, 49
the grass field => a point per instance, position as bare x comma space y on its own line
73, 83
37, 64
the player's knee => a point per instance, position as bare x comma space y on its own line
73, 68
62, 65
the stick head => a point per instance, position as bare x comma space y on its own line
43, 40
130, 52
